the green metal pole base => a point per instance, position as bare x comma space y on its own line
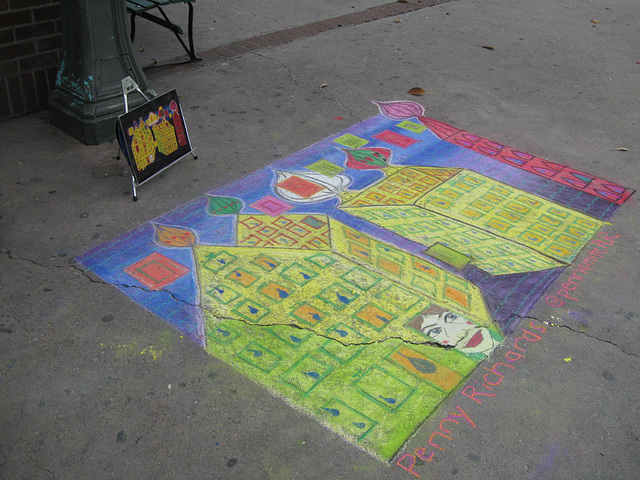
90, 130
96, 56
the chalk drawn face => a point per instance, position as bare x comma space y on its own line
449, 328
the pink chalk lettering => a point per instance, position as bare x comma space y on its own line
420, 454
473, 394
464, 415
541, 328
601, 243
434, 445
554, 301
513, 356
411, 463
565, 293
606, 236
571, 284
452, 418
528, 336
495, 372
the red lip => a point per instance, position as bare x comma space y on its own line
475, 340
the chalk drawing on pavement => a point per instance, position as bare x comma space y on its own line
364, 278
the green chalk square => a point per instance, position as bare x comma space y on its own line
391, 253
452, 280
529, 201
383, 388
258, 356
361, 278
412, 126
364, 315
223, 294
283, 292
424, 285
481, 235
325, 167
298, 274
448, 255
576, 232
236, 276
219, 261
337, 295
558, 212
265, 263
346, 335
346, 419
293, 337
533, 261
351, 141
399, 297
250, 310
306, 374
430, 226
321, 260
461, 239
388, 264
410, 228
313, 222
316, 316
341, 353
222, 333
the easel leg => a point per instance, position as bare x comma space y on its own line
133, 186
195, 157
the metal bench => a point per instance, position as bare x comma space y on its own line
141, 8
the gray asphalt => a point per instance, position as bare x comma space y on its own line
85, 372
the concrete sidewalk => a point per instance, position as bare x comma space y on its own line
93, 386
220, 23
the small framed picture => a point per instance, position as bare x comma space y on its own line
153, 136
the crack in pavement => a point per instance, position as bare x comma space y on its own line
28, 260
239, 10
297, 83
85, 274
271, 324
550, 324
307, 329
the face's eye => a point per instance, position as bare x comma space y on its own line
449, 317
434, 331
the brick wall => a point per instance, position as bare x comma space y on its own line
30, 43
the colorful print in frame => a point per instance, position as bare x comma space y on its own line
153, 136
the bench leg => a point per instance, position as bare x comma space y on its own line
190, 51
133, 27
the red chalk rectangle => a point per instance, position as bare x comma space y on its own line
396, 139
156, 271
300, 186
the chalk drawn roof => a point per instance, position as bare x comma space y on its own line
500, 228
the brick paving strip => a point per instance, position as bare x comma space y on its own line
281, 37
